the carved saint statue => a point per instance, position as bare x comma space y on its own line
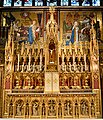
60, 110
11, 109
76, 82
92, 109
43, 109
27, 109
83, 108
76, 109
51, 111
87, 79
35, 106
18, 109
68, 108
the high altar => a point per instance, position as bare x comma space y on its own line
52, 71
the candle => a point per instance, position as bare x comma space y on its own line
18, 62
85, 60
40, 61
29, 61
23, 67
34, 66
73, 58
63, 59
70, 66
74, 64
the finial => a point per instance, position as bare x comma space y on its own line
52, 9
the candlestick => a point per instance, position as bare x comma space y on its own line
81, 48
76, 48
77, 35
40, 61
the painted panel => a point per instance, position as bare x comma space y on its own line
55, 82
48, 82
23, 23
80, 21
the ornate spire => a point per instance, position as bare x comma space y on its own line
51, 28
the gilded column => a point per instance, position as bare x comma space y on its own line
24, 107
30, 110
89, 109
14, 110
